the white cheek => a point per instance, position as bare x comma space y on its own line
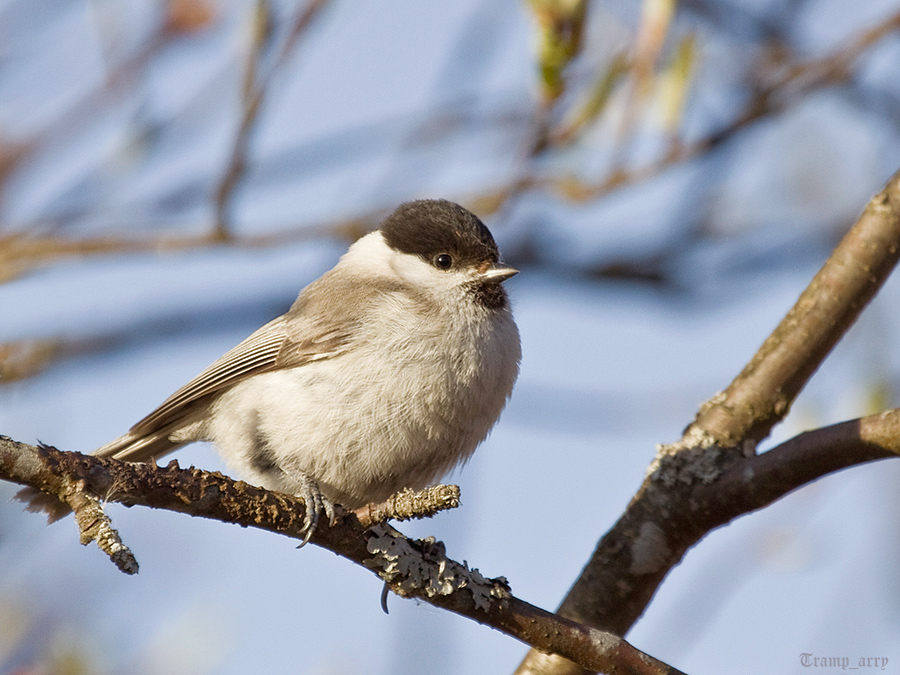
425, 277
371, 255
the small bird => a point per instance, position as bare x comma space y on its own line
386, 373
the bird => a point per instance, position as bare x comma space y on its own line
386, 373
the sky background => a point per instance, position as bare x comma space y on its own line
124, 128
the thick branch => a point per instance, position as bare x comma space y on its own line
762, 394
712, 475
634, 557
763, 479
412, 568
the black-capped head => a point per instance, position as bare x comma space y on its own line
450, 239
442, 233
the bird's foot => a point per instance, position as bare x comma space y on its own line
316, 504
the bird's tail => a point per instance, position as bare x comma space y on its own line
130, 447
140, 447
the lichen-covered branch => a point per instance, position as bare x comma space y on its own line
95, 526
410, 504
411, 568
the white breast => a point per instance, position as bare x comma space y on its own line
399, 410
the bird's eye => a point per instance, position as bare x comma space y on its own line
443, 261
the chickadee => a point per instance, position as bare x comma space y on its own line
386, 372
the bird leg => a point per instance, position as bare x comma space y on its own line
315, 502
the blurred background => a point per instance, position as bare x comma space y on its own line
668, 175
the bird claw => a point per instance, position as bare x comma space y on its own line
316, 504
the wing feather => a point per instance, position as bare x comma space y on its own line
310, 331
269, 348
255, 354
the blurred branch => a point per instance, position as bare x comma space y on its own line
25, 358
712, 475
411, 568
253, 95
12, 155
22, 359
771, 95
182, 18
794, 82
599, 95
21, 252
773, 90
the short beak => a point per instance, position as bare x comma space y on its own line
497, 273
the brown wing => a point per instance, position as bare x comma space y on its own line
285, 342
319, 326
256, 354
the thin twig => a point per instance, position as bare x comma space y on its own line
255, 90
95, 525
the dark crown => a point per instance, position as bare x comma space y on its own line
429, 227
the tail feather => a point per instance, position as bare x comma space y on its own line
40, 502
146, 447
130, 447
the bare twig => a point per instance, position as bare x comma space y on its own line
412, 568
254, 92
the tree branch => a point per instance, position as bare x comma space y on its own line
411, 568
763, 479
95, 525
712, 474
632, 560
762, 394
255, 90
409, 504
